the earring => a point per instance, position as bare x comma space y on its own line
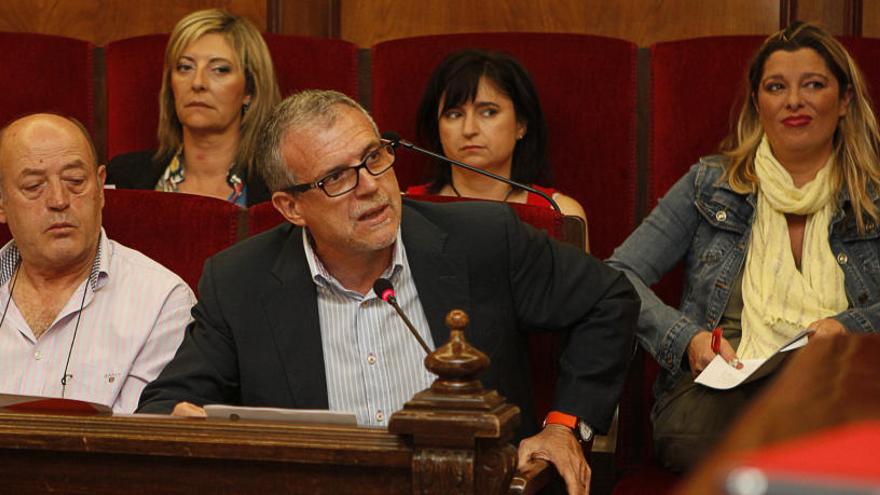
244, 108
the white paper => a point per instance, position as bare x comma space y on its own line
321, 416
722, 376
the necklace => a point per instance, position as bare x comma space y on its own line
506, 196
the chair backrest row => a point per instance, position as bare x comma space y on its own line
182, 230
587, 84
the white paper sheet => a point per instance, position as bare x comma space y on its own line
321, 416
722, 376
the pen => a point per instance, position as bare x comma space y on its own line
716, 340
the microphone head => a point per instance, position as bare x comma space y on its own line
391, 136
383, 289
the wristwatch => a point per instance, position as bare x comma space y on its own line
582, 431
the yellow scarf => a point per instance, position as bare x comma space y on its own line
779, 300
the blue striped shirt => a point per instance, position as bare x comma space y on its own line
372, 362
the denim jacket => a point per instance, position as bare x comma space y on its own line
708, 225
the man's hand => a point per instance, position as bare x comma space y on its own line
557, 444
188, 410
700, 352
826, 327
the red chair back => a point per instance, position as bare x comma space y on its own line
134, 78
588, 92
46, 74
180, 231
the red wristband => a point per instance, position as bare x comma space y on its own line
560, 418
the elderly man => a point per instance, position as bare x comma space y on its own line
83, 317
288, 318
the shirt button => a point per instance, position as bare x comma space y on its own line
721, 216
371, 358
38, 355
842, 258
380, 416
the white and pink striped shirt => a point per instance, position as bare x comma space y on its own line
133, 319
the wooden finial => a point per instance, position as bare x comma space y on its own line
457, 363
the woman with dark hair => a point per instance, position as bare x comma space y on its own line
778, 234
482, 109
218, 87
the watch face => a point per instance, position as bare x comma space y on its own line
584, 432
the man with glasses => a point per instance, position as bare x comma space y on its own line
288, 318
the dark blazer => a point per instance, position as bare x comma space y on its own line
139, 170
256, 339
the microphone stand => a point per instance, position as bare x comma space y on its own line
395, 139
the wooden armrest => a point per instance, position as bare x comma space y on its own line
536, 476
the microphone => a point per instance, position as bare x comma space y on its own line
395, 139
383, 288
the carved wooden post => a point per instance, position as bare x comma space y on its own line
460, 432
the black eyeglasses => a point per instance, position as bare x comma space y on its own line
337, 183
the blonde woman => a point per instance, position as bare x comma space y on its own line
778, 233
218, 86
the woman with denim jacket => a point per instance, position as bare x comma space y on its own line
777, 234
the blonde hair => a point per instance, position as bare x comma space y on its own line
856, 139
254, 59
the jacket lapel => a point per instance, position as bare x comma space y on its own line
292, 311
440, 276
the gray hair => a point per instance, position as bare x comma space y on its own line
310, 108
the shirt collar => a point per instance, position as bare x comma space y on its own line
10, 257
323, 278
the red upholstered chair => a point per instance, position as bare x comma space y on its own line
588, 92
866, 52
46, 74
134, 77
694, 85
262, 217
179, 231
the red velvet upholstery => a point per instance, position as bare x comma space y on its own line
694, 85
587, 87
866, 52
46, 74
262, 217
178, 230
134, 77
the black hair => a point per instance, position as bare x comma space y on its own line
456, 81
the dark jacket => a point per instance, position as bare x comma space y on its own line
249, 345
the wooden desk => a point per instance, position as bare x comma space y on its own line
101, 454
451, 438
829, 383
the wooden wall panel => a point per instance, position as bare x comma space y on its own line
871, 18
644, 22
101, 21
304, 17
830, 14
